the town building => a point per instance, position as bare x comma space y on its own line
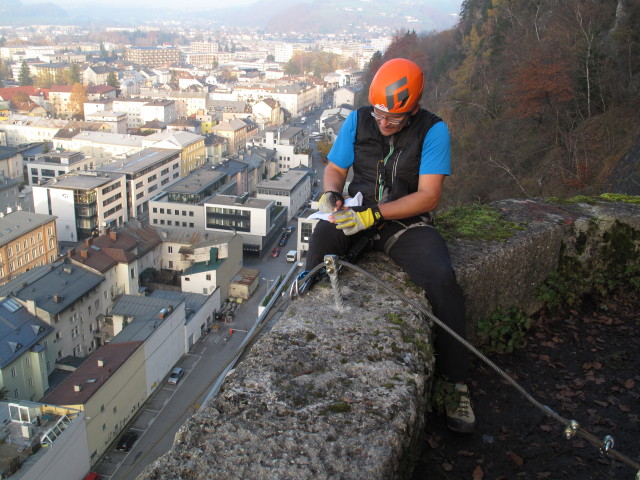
26, 352
152, 57
109, 387
235, 131
96, 75
193, 152
47, 166
291, 145
104, 147
66, 296
84, 203
147, 173
122, 257
24, 129
11, 162
60, 97
42, 441
27, 240
291, 190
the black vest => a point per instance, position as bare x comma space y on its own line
402, 168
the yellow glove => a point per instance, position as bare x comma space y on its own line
356, 219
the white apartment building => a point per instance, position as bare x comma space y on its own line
46, 166
291, 146
291, 190
296, 99
283, 52
85, 203
147, 173
102, 146
21, 129
116, 120
187, 103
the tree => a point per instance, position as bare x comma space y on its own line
24, 77
44, 80
71, 75
112, 81
77, 99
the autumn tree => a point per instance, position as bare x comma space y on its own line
77, 99
44, 80
24, 77
20, 97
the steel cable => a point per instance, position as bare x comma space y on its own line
572, 427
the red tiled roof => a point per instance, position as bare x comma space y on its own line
7, 93
90, 376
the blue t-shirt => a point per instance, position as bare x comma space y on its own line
436, 148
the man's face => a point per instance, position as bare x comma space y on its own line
390, 123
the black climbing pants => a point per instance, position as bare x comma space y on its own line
423, 254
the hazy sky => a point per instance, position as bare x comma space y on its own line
455, 4
149, 3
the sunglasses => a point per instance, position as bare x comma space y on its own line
390, 120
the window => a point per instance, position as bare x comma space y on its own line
191, 214
155, 210
13, 371
169, 222
208, 276
133, 273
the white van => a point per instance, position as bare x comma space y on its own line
292, 255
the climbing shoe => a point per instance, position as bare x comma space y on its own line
461, 418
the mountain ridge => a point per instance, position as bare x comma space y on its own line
273, 16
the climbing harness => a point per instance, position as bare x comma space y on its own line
332, 265
425, 221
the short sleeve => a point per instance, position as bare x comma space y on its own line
342, 153
436, 151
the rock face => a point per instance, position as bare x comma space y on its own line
334, 392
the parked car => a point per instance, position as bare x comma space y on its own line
283, 241
290, 229
175, 375
92, 476
126, 441
275, 252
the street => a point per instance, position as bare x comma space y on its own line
168, 408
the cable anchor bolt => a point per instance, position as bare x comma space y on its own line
571, 429
609, 443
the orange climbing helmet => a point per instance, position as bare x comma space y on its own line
397, 86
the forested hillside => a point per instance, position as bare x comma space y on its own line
541, 96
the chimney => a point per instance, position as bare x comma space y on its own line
89, 241
84, 253
101, 362
71, 252
113, 236
77, 388
57, 298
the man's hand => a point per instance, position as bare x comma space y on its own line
330, 202
355, 219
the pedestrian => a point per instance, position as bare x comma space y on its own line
400, 156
